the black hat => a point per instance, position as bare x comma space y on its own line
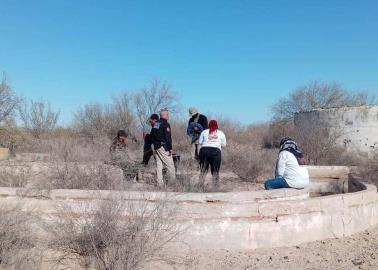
121, 133
154, 116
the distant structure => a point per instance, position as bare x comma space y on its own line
357, 126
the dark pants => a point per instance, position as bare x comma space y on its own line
276, 183
210, 156
147, 149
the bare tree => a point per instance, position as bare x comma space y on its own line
96, 120
150, 100
90, 120
316, 95
38, 117
8, 99
319, 142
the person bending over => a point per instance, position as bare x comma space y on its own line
289, 173
211, 140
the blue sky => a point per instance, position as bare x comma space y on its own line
234, 58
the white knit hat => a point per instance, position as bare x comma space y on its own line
192, 111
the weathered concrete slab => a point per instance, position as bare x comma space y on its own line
229, 220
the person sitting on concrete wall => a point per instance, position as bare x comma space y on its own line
211, 140
289, 173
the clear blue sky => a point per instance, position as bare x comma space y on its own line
226, 57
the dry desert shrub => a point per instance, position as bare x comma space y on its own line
250, 164
91, 176
276, 131
115, 236
17, 245
320, 143
13, 176
38, 118
368, 169
315, 95
78, 149
96, 120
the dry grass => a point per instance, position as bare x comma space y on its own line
14, 177
106, 240
17, 246
369, 169
249, 163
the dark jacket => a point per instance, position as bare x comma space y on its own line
200, 119
161, 135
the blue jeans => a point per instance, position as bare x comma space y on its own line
276, 183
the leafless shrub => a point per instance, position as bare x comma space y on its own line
317, 95
91, 176
98, 120
276, 131
38, 117
319, 142
8, 100
11, 136
104, 240
181, 141
17, 246
14, 177
368, 168
150, 100
78, 149
250, 164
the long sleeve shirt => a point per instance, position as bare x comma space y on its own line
161, 135
287, 167
216, 139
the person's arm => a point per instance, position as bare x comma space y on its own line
223, 140
201, 138
281, 165
168, 137
189, 128
205, 123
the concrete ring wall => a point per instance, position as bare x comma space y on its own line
234, 220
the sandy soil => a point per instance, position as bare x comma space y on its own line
359, 251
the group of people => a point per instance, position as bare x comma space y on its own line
207, 141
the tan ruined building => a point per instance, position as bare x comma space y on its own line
357, 127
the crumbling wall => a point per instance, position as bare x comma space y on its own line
357, 126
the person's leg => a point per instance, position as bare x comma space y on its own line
196, 153
167, 161
217, 160
171, 170
204, 165
147, 156
193, 151
159, 168
276, 183
147, 149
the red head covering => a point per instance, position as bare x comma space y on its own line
213, 126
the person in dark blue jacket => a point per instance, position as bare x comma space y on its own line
161, 139
197, 123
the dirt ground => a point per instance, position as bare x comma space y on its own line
359, 251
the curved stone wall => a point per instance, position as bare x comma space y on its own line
234, 220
